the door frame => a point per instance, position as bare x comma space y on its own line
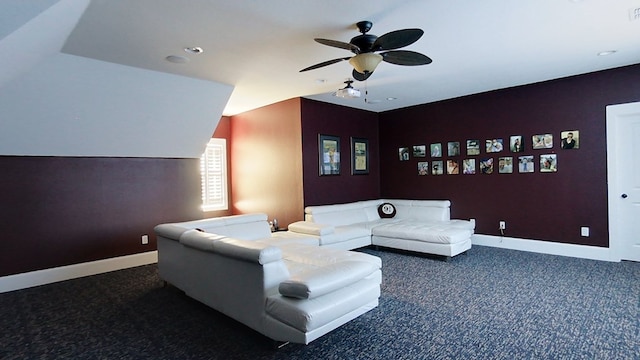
613, 150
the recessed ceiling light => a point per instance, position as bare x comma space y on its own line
392, 98
608, 52
177, 59
194, 50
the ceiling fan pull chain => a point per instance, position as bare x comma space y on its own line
366, 91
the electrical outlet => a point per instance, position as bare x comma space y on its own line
584, 231
145, 239
502, 225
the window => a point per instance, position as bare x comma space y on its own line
213, 167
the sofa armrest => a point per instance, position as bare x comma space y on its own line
325, 279
311, 228
169, 231
247, 250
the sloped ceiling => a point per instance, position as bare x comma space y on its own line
57, 104
258, 47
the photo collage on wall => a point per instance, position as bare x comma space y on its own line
486, 156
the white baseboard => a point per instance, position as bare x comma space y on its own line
48, 276
545, 247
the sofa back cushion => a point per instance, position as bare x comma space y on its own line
343, 214
424, 210
246, 227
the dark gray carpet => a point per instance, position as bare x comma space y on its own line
488, 304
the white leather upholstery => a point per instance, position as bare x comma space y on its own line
244, 276
313, 283
418, 225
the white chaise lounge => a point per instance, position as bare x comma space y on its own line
415, 225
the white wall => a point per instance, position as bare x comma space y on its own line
32, 31
75, 106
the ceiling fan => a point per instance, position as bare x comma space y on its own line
365, 47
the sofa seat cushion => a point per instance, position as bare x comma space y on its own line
309, 314
319, 281
299, 258
435, 232
344, 233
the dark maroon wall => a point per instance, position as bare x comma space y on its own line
58, 211
542, 206
328, 119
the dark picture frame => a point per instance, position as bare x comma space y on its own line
359, 156
329, 154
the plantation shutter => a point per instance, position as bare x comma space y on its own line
213, 167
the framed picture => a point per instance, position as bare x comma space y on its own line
423, 168
493, 145
453, 167
403, 153
548, 163
359, 156
469, 166
542, 141
505, 165
516, 144
570, 139
486, 166
419, 150
437, 167
453, 148
436, 150
525, 164
473, 147
329, 149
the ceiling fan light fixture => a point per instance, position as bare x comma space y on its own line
366, 62
348, 92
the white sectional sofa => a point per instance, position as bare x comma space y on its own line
415, 225
282, 284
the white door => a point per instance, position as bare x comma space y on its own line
623, 174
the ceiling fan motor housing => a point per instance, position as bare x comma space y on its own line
364, 42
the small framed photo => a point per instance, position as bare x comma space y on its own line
437, 167
473, 147
486, 166
423, 168
419, 151
453, 148
453, 167
516, 143
469, 166
548, 163
436, 150
525, 164
505, 165
329, 148
403, 153
359, 156
493, 145
542, 141
570, 139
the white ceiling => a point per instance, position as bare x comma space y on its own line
259, 46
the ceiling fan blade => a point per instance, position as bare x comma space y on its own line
325, 63
405, 57
360, 76
397, 39
339, 44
